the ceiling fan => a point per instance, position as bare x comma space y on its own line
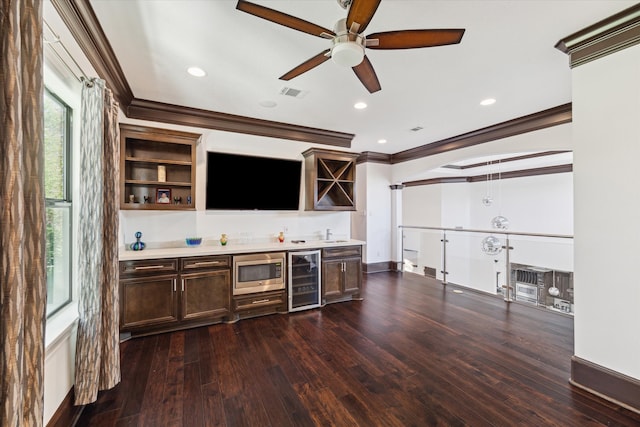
348, 42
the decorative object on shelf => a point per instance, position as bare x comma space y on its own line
163, 195
491, 245
147, 199
132, 198
499, 222
188, 200
281, 237
137, 245
177, 200
223, 239
193, 241
162, 173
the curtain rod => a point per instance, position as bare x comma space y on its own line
80, 75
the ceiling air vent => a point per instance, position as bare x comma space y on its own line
416, 129
296, 93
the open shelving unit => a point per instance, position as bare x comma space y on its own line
330, 180
143, 152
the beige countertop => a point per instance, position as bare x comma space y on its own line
214, 248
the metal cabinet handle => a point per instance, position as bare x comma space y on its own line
205, 263
182, 280
149, 267
174, 285
260, 301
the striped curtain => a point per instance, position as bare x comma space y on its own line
98, 347
22, 215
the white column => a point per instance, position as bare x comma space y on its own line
396, 218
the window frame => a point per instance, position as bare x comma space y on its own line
67, 201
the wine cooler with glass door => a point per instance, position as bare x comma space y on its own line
304, 280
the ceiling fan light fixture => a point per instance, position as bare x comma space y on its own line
347, 54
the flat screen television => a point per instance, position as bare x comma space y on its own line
244, 182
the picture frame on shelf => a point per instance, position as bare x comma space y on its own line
163, 196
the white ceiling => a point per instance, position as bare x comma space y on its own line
507, 53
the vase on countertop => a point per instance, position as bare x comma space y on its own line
223, 239
281, 237
137, 245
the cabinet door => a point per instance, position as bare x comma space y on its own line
206, 295
332, 278
352, 275
148, 301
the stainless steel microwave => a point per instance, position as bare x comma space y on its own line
258, 272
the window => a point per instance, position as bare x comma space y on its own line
57, 190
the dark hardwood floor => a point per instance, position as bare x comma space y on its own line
412, 353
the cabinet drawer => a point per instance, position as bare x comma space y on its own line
342, 252
148, 266
258, 301
209, 262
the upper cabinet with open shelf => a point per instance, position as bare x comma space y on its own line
157, 168
330, 180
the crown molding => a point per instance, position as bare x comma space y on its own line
187, 116
532, 122
547, 170
432, 181
610, 35
508, 159
373, 157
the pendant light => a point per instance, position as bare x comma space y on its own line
500, 222
487, 200
491, 245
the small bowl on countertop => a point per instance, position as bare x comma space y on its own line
193, 241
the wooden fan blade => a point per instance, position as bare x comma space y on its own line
410, 39
282, 19
307, 65
361, 12
367, 75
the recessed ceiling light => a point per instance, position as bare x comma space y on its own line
359, 105
196, 71
268, 103
488, 101
382, 141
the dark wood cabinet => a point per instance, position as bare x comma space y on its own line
330, 180
148, 302
148, 297
206, 288
167, 294
341, 273
154, 161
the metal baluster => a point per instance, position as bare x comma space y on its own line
444, 257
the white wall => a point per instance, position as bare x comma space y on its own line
375, 214
606, 108
161, 227
538, 204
